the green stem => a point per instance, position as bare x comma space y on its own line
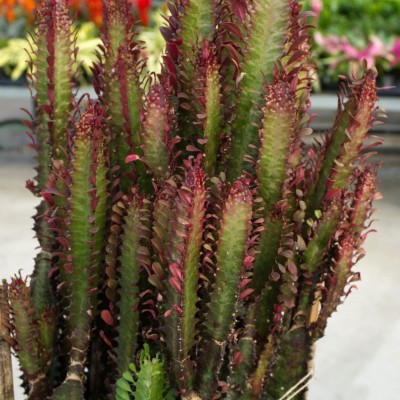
234, 234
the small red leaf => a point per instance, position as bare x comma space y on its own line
331, 194
51, 272
170, 64
172, 49
244, 283
248, 262
105, 338
246, 293
158, 270
237, 358
190, 147
232, 28
132, 158
292, 267
155, 281
289, 303
176, 270
151, 311
107, 317
239, 9
275, 276
177, 309
68, 268
175, 283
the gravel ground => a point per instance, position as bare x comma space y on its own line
358, 359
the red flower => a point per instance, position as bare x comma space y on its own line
143, 7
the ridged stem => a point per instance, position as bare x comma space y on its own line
213, 116
32, 355
156, 132
121, 91
6, 378
348, 249
232, 245
129, 271
294, 353
60, 89
246, 348
265, 41
84, 223
341, 149
183, 262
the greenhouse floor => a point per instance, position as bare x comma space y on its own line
358, 359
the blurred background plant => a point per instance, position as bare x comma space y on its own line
343, 39
15, 17
16, 20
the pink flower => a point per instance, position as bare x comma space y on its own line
395, 50
316, 6
375, 49
331, 44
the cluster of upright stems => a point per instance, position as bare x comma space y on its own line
182, 212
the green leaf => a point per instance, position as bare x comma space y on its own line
128, 377
121, 395
150, 382
132, 367
124, 385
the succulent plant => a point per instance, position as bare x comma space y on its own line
187, 232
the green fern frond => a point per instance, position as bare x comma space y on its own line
146, 382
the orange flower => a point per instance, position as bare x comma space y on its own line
92, 9
95, 9
7, 9
29, 6
75, 3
